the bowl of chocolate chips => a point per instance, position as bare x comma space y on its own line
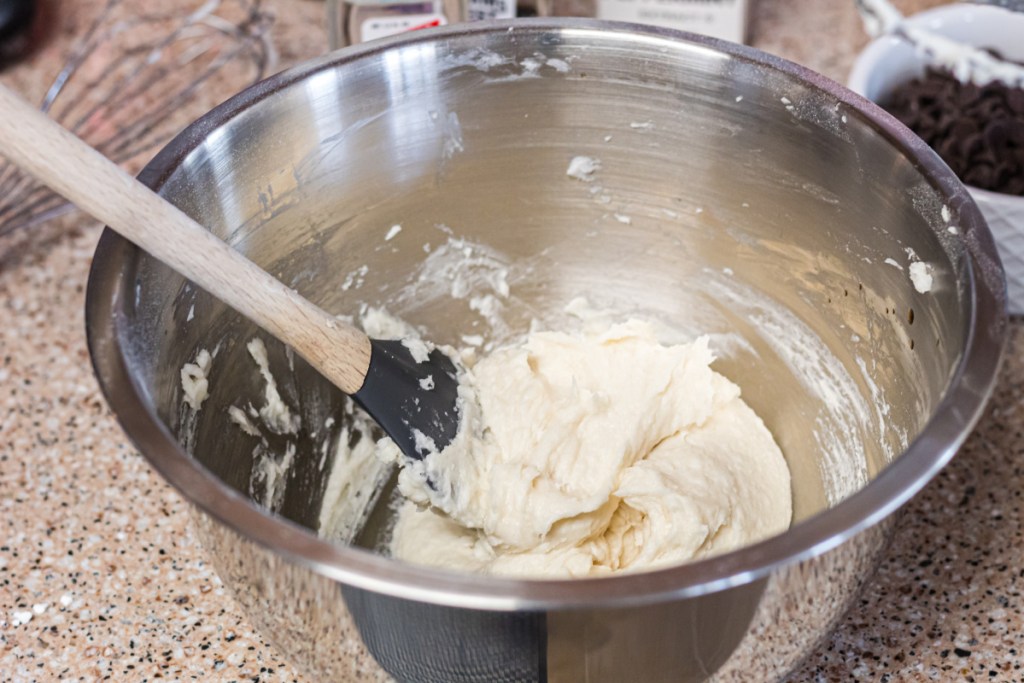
967, 105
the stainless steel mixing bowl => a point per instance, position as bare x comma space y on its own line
737, 195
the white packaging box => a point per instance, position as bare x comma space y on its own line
726, 19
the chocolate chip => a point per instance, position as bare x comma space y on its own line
979, 175
1015, 126
996, 135
1015, 100
977, 130
970, 145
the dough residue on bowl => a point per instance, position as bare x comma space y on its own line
195, 382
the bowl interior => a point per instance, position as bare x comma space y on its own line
733, 198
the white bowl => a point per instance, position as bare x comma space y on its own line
888, 62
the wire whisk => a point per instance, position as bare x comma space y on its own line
132, 81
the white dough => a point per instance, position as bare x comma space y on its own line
194, 380
275, 413
583, 168
921, 276
590, 454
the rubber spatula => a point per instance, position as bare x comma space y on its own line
383, 376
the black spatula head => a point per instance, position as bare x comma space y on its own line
414, 401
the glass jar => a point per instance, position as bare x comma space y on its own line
357, 21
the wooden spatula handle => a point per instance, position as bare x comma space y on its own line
96, 185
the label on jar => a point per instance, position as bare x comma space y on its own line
726, 19
479, 10
388, 25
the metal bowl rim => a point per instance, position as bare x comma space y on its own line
958, 411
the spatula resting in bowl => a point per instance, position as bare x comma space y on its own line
388, 378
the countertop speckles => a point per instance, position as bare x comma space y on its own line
101, 577
99, 574
946, 602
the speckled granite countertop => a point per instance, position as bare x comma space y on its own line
101, 578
